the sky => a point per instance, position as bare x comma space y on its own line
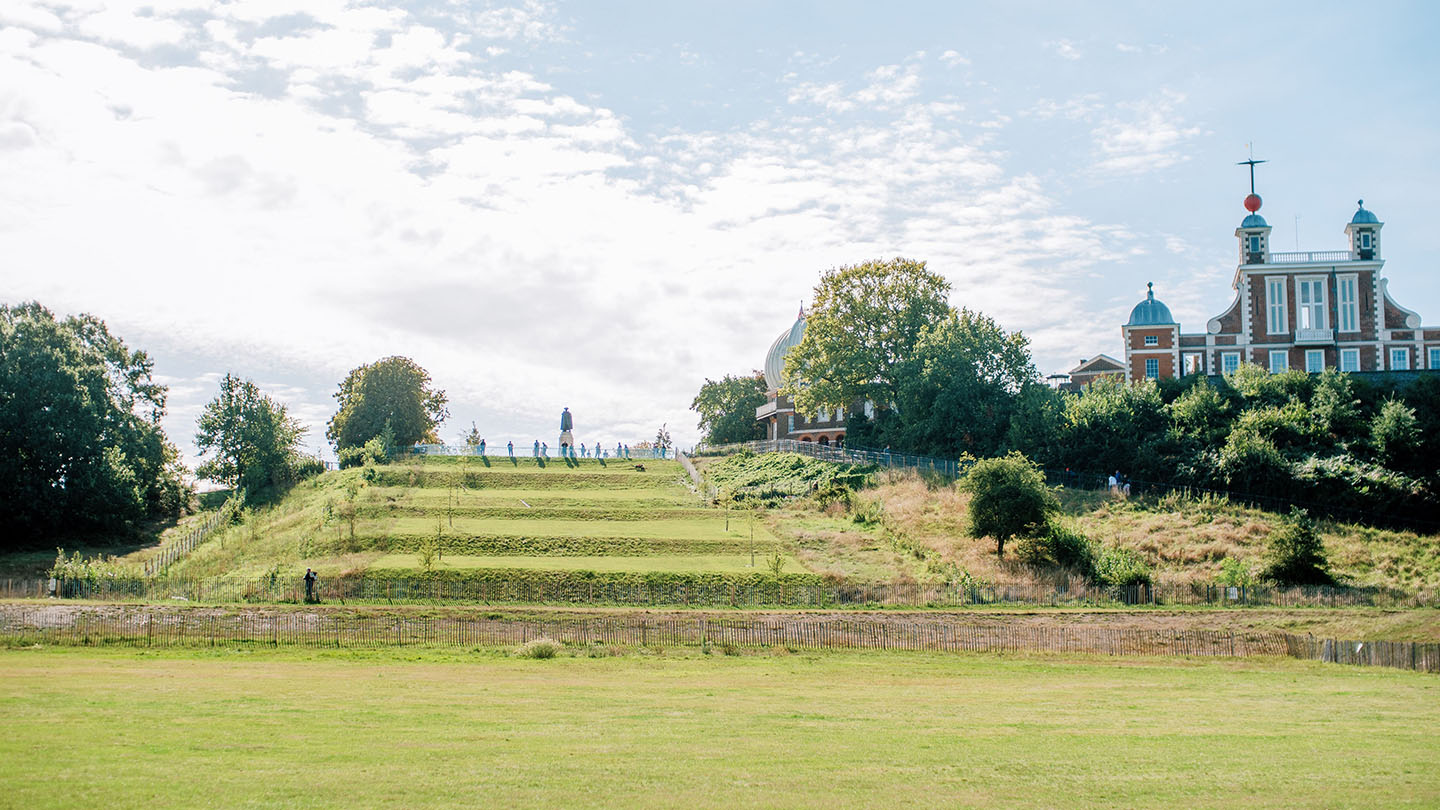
601, 205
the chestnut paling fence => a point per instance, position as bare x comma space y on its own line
581, 589
162, 627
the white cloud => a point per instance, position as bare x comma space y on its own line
953, 59
1064, 48
1149, 136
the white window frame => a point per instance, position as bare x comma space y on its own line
840, 414
869, 409
1312, 286
823, 416
1403, 355
1152, 340
1365, 241
792, 424
1314, 361
1229, 362
1349, 358
1283, 358
1277, 315
1192, 363
1347, 296
1253, 243
1152, 368
1434, 352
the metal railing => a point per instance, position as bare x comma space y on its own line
854, 455
530, 451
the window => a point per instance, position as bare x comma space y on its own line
1399, 359
792, 424
840, 414
1152, 340
1365, 240
1349, 309
1349, 359
1152, 368
824, 415
1434, 357
1311, 312
1193, 363
1275, 322
869, 409
1314, 361
1229, 361
1254, 244
1279, 360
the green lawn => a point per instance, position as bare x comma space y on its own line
709, 527
404, 729
666, 562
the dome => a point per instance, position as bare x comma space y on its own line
1150, 312
1254, 221
775, 358
1363, 217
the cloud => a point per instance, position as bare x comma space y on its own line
1148, 136
1064, 48
887, 86
953, 59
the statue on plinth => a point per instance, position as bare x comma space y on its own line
567, 440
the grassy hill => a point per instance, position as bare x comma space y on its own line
477, 515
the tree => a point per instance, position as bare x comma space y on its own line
1296, 554
1008, 498
473, 438
662, 439
392, 391
958, 393
255, 442
861, 333
727, 408
81, 446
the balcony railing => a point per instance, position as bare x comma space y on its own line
1314, 335
766, 409
1311, 256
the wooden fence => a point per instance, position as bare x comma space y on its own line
162, 627
170, 552
579, 589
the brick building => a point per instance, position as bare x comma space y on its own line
1308, 310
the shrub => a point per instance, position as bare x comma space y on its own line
371, 452
1235, 573
1009, 498
1296, 554
1121, 567
540, 648
1061, 546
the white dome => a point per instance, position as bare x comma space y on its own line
775, 358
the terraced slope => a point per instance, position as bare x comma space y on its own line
493, 518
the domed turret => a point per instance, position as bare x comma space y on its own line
775, 358
1363, 217
1150, 312
1364, 234
1254, 221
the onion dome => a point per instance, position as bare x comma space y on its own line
1150, 312
775, 358
1363, 217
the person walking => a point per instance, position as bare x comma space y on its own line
482, 447
510, 448
544, 450
537, 448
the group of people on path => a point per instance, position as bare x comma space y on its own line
1119, 484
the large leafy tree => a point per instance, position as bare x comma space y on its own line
81, 446
727, 408
1008, 498
861, 333
254, 441
958, 393
395, 392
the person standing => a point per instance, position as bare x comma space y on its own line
510, 448
537, 448
482, 447
310, 578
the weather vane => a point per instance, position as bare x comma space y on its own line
1252, 202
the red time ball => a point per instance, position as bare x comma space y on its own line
1252, 203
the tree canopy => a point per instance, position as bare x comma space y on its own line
394, 391
727, 408
861, 333
254, 442
81, 446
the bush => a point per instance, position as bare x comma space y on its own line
371, 452
1121, 567
539, 648
1008, 498
1235, 573
1061, 546
1296, 554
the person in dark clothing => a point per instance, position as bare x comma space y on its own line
310, 578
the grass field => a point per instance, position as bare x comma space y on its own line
122, 729
654, 562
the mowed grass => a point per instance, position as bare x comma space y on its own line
709, 527
680, 563
127, 729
